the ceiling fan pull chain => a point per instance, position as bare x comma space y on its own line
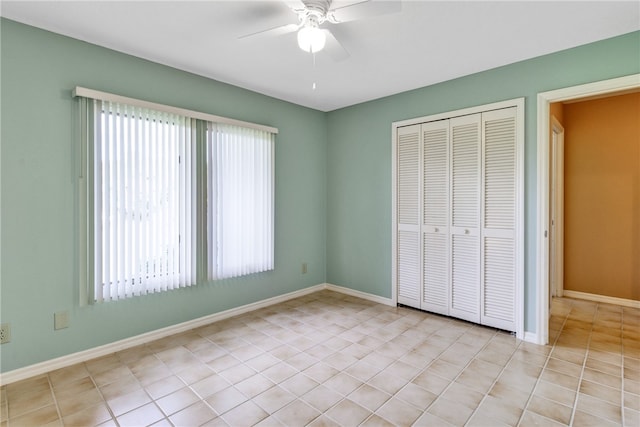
313, 54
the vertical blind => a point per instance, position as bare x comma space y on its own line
170, 199
144, 184
239, 201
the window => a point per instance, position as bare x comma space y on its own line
144, 232
239, 201
170, 200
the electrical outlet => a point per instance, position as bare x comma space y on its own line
61, 320
5, 333
304, 268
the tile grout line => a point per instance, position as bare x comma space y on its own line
555, 341
494, 382
485, 394
153, 353
584, 364
373, 412
298, 371
204, 399
231, 353
409, 381
113, 416
427, 367
344, 397
55, 399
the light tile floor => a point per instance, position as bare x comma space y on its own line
329, 359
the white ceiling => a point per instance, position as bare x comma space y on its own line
427, 42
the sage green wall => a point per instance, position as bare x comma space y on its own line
359, 155
39, 203
333, 181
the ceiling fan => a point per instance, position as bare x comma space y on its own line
312, 14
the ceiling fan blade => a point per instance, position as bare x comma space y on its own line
295, 5
363, 10
334, 48
276, 31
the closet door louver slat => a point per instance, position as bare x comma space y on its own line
408, 228
436, 173
408, 175
465, 293
435, 226
498, 280
465, 156
409, 268
499, 174
465, 212
499, 217
436, 273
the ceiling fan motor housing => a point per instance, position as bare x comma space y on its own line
315, 12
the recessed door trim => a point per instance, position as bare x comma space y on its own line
557, 210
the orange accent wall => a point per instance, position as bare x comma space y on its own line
602, 196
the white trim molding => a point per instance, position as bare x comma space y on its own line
602, 298
103, 350
360, 294
590, 90
531, 337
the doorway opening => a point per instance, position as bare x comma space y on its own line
545, 286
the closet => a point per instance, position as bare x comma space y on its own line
458, 214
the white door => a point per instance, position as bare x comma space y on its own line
408, 214
435, 225
465, 214
458, 242
498, 250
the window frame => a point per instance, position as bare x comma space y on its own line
86, 98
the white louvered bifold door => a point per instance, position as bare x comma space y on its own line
435, 222
408, 214
498, 284
465, 217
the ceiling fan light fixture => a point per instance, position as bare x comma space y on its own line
311, 39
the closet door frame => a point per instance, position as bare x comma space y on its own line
519, 103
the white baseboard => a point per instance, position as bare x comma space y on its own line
360, 294
601, 298
531, 337
103, 350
